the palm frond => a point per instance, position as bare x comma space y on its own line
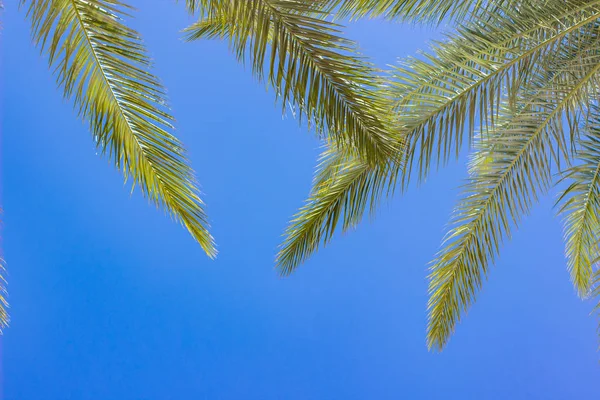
441, 96
312, 68
344, 187
518, 157
580, 205
595, 291
418, 11
4, 317
102, 65
435, 99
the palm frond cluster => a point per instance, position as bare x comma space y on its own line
308, 63
517, 81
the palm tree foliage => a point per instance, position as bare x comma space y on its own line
518, 81
312, 68
102, 65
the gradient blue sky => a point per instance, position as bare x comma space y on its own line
112, 300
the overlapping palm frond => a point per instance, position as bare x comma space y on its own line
580, 205
596, 292
344, 187
440, 98
4, 317
512, 168
312, 68
102, 65
462, 82
418, 11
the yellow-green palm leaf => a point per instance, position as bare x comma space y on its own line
344, 187
596, 292
523, 78
311, 67
418, 11
580, 205
103, 66
512, 167
439, 98
4, 317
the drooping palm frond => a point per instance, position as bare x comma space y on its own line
417, 10
580, 205
517, 156
344, 187
4, 317
595, 292
461, 82
443, 96
102, 65
308, 63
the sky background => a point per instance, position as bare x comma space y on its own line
112, 300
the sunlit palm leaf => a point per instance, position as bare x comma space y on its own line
461, 82
312, 68
103, 66
517, 168
344, 187
596, 292
418, 11
4, 317
581, 207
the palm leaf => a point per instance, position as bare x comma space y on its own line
595, 291
519, 155
344, 187
439, 97
418, 11
581, 207
103, 66
4, 317
312, 68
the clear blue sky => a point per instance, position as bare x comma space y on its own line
112, 300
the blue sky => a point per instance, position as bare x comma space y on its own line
112, 300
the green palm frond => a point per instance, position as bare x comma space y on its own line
417, 10
442, 96
344, 187
463, 81
4, 317
595, 292
580, 205
312, 68
518, 156
203, 6
102, 65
